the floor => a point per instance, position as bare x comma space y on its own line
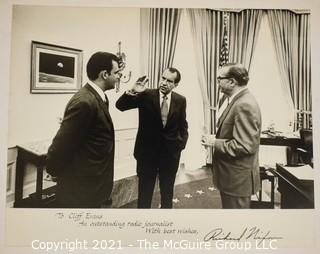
185, 176
195, 189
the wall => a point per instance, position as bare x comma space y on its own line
34, 117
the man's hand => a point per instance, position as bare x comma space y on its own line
208, 140
139, 86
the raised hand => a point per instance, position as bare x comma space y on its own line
140, 85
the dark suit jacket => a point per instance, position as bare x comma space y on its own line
82, 152
236, 150
152, 138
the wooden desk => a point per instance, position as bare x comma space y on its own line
295, 192
285, 140
291, 141
33, 153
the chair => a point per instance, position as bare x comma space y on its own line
305, 152
265, 174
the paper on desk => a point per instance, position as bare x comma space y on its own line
304, 172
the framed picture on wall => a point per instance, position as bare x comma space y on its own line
55, 69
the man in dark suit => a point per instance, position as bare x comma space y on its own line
236, 144
81, 155
162, 135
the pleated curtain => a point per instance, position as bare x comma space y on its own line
159, 30
207, 32
291, 37
244, 27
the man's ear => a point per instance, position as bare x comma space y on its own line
104, 74
233, 81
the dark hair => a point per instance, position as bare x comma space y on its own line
238, 72
174, 70
100, 61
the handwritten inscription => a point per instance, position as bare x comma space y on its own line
217, 237
92, 219
246, 234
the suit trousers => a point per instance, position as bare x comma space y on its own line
233, 202
166, 169
74, 191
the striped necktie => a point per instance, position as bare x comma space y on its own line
222, 105
164, 110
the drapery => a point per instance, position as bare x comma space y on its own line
159, 30
207, 28
207, 32
243, 33
291, 37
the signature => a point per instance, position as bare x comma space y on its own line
254, 233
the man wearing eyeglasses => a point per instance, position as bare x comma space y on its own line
162, 135
236, 143
81, 155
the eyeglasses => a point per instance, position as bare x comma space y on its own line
220, 78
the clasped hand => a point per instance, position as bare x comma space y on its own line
208, 139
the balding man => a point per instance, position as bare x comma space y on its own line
236, 144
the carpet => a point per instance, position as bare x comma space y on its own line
198, 194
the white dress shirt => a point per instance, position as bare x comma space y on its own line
227, 101
98, 90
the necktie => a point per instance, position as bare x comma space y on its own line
164, 110
107, 101
221, 100
222, 105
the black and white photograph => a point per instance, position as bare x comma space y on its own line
160, 127
55, 68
